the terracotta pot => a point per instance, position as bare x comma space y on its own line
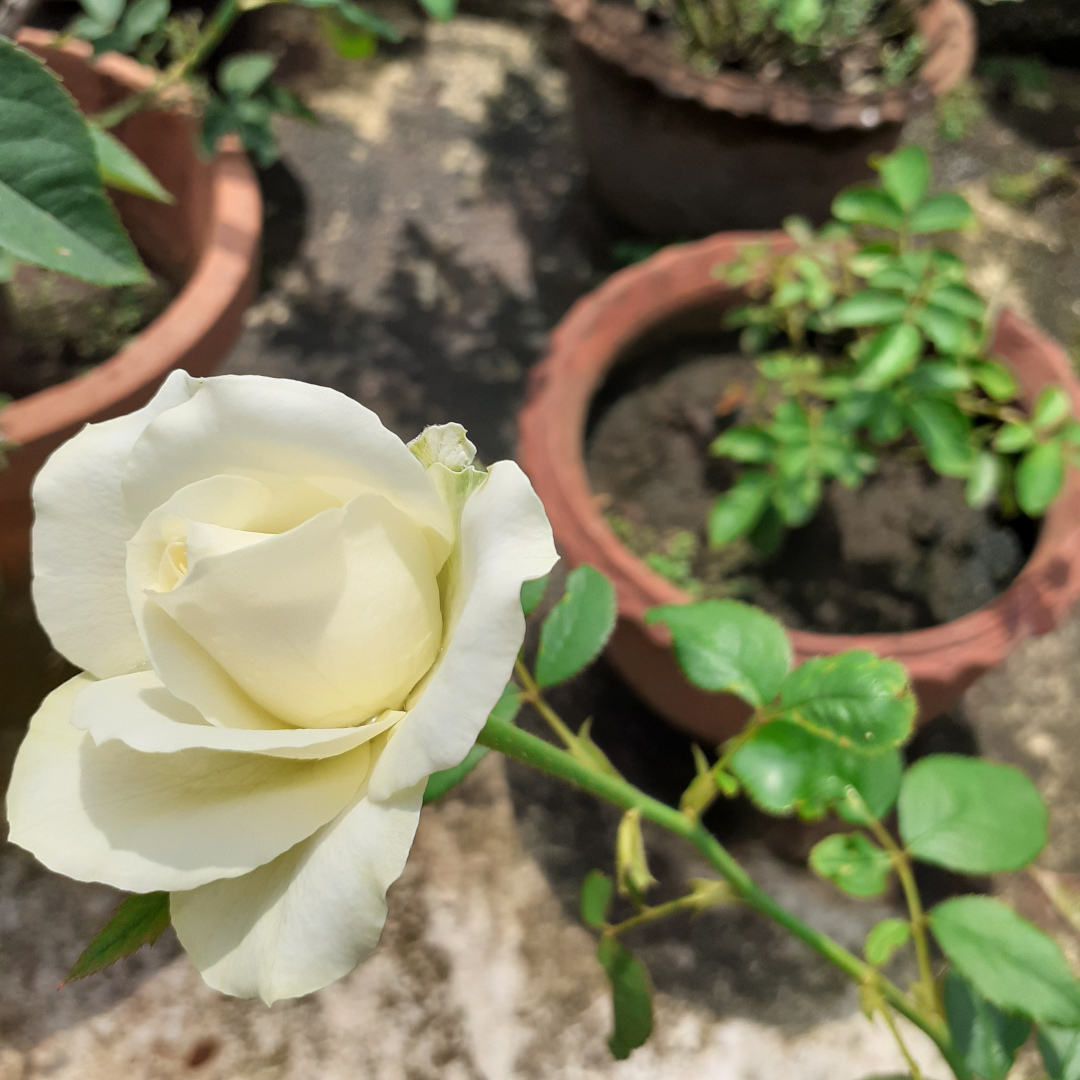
675, 292
206, 244
679, 154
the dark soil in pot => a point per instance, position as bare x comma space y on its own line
53, 327
901, 553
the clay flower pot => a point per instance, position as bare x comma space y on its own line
206, 244
675, 291
679, 154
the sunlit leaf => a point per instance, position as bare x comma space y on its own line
595, 899
970, 815
726, 646
1010, 962
853, 863
53, 208
577, 627
884, 939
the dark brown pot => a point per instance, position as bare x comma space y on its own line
680, 154
206, 244
673, 291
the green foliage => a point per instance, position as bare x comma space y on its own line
969, 815
862, 46
352, 14
443, 10
441, 782
868, 338
53, 209
577, 628
905, 176
139, 920
854, 699
853, 863
595, 899
726, 646
986, 1037
884, 939
1007, 960
740, 509
1060, 1049
348, 41
245, 105
122, 170
631, 993
532, 592
114, 26
786, 769
676, 560
959, 111
941, 213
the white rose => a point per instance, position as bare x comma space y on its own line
288, 620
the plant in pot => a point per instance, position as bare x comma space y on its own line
88, 331
874, 359
701, 115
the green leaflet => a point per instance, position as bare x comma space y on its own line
1010, 962
723, 645
53, 208
631, 993
970, 815
577, 627
139, 920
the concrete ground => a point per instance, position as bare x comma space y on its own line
420, 244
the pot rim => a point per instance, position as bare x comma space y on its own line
220, 274
615, 34
591, 340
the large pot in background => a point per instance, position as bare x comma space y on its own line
675, 292
206, 244
679, 154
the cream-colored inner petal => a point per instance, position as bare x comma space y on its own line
327, 625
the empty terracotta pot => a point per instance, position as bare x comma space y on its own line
673, 292
206, 244
679, 154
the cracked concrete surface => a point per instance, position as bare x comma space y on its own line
420, 244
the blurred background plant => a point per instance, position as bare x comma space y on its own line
870, 341
862, 46
53, 186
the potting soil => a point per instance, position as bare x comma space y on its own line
902, 552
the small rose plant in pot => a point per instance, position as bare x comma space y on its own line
296, 629
859, 46
869, 341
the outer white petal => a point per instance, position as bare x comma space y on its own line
505, 540
79, 534
138, 711
163, 821
241, 423
310, 916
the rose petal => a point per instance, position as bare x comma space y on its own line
145, 822
244, 423
80, 530
505, 541
138, 711
310, 916
327, 625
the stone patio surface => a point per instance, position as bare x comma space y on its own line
420, 244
